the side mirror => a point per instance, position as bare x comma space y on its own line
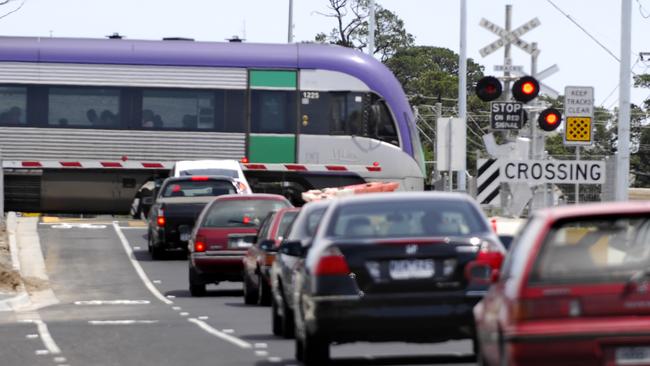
268, 245
481, 273
147, 200
292, 248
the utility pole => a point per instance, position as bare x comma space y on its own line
462, 80
371, 27
623, 154
507, 60
290, 35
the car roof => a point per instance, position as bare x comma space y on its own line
595, 209
253, 196
401, 196
206, 164
194, 177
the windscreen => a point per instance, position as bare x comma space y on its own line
305, 226
191, 188
240, 213
391, 219
222, 172
593, 250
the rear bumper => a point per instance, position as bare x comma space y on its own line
221, 266
574, 341
372, 318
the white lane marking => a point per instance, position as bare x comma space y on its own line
31, 336
261, 353
59, 359
133, 227
261, 345
46, 337
157, 282
275, 359
66, 225
136, 248
42, 352
184, 313
138, 268
229, 331
203, 317
226, 337
176, 308
112, 302
171, 296
121, 322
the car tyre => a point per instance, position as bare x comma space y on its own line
288, 323
313, 348
276, 320
157, 252
250, 292
263, 291
197, 287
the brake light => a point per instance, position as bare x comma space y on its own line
199, 244
545, 308
198, 177
160, 220
491, 254
332, 262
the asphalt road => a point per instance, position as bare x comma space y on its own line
118, 307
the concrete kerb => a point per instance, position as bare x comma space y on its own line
21, 299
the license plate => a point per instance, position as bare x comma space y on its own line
185, 236
411, 269
241, 242
633, 355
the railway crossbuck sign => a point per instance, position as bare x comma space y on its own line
511, 37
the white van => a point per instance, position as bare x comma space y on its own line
228, 168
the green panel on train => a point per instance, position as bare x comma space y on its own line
276, 79
272, 149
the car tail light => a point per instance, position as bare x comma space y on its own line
160, 220
199, 244
545, 308
269, 258
490, 253
199, 178
332, 262
246, 220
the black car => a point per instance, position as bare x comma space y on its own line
300, 232
178, 203
390, 267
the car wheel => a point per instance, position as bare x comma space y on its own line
250, 292
197, 287
263, 291
288, 324
315, 349
157, 252
276, 320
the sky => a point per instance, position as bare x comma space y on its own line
581, 61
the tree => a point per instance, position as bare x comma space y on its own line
352, 28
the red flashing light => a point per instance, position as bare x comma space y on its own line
525, 89
376, 163
549, 119
199, 178
199, 244
528, 88
244, 160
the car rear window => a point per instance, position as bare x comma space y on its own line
407, 219
199, 188
286, 221
240, 213
593, 250
223, 172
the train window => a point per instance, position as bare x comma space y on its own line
380, 122
84, 107
178, 109
273, 111
235, 111
13, 103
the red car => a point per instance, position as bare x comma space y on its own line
574, 290
223, 232
260, 256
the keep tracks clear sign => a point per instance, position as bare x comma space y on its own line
553, 171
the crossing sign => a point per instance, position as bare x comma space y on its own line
579, 111
511, 37
506, 115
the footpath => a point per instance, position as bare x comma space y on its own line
13, 290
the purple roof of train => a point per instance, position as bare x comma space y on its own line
219, 54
